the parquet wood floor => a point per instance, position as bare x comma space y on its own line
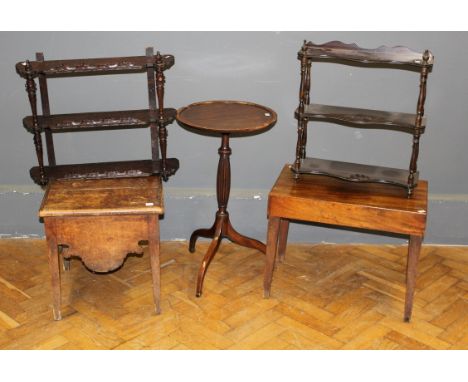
323, 297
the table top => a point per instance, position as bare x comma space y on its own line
328, 200
67, 197
226, 116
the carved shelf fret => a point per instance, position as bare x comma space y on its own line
398, 57
98, 120
155, 117
354, 172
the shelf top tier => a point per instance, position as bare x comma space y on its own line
352, 53
86, 197
94, 66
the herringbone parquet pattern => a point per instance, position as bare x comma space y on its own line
323, 297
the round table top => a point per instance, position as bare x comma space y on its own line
226, 116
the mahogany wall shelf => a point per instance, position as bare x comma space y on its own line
350, 54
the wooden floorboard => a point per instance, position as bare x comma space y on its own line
323, 297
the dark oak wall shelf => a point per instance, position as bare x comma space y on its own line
156, 117
103, 170
90, 66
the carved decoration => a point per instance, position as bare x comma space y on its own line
57, 68
98, 120
150, 73
94, 239
304, 94
156, 117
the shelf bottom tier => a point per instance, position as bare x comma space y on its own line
354, 172
104, 170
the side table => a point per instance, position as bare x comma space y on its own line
326, 200
101, 221
224, 118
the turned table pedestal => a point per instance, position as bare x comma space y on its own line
224, 118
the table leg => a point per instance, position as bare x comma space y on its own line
66, 260
54, 267
202, 232
153, 247
245, 241
282, 239
222, 227
271, 249
214, 245
414, 248
66, 264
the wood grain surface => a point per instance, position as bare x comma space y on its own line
103, 196
361, 205
323, 297
226, 116
105, 170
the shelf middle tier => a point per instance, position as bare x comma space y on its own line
369, 118
127, 119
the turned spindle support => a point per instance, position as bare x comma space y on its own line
31, 90
160, 81
152, 106
418, 123
304, 99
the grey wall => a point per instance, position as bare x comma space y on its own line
254, 66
